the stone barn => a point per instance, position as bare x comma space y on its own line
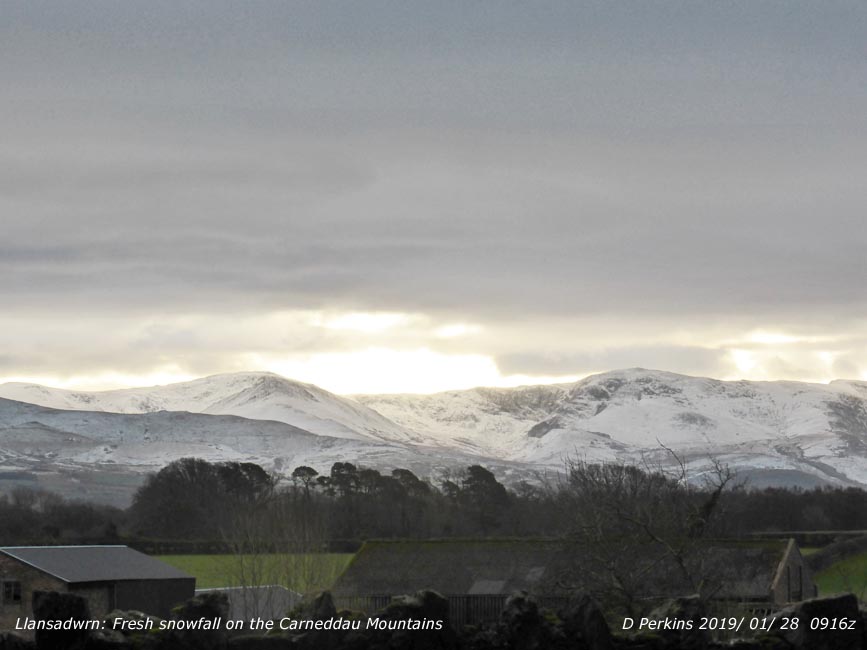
477, 575
108, 577
766, 574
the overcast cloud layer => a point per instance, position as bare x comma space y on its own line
453, 193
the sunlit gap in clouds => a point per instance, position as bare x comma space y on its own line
365, 322
355, 351
383, 370
763, 355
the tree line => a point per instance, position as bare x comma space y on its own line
193, 499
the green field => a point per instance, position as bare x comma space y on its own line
847, 575
317, 571
300, 572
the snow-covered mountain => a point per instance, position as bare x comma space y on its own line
779, 431
104, 456
772, 432
254, 395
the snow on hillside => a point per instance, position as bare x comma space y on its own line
785, 432
155, 439
77, 452
815, 429
254, 395
480, 420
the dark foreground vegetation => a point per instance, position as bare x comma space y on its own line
522, 625
195, 501
628, 521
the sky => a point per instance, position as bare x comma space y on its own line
419, 196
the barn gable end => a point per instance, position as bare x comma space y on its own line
108, 577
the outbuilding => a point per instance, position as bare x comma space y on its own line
108, 577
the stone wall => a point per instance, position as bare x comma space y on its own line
98, 596
31, 580
522, 625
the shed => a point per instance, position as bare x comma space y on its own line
108, 577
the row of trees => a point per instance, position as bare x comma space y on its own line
29, 516
192, 499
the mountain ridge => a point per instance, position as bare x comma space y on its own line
104, 456
809, 433
257, 395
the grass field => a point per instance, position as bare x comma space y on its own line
304, 573
316, 571
847, 575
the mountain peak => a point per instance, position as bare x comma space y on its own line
256, 395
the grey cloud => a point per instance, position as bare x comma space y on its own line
480, 60
498, 245
784, 369
484, 162
159, 336
9, 362
846, 368
686, 359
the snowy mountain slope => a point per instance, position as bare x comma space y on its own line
480, 420
44, 443
816, 429
784, 432
154, 439
254, 395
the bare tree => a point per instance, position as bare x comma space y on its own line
277, 540
639, 531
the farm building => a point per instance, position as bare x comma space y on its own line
478, 575
108, 577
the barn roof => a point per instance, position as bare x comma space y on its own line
479, 566
93, 563
745, 570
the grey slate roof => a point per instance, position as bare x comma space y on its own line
74, 564
454, 566
744, 570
